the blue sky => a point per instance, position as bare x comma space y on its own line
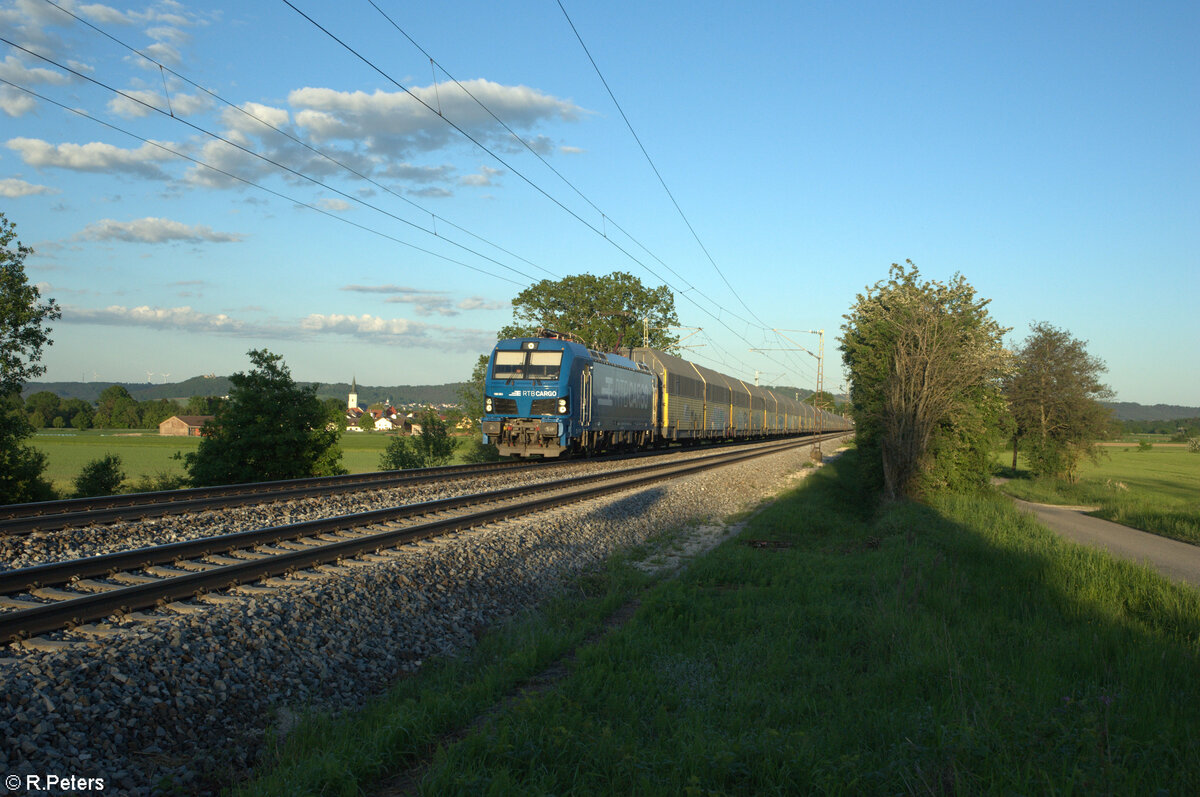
1050, 152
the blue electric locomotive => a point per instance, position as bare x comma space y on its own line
548, 395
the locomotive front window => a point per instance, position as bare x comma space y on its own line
544, 364
509, 365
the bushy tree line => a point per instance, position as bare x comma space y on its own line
114, 409
1180, 429
933, 388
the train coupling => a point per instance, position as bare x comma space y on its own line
523, 437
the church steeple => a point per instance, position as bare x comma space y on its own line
352, 402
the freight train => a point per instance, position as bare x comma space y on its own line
551, 396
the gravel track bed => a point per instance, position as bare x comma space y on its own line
37, 548
184, 702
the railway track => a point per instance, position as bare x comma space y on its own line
73, 594
74, 512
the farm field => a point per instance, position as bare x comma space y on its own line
144, 453
1156, 490
828, 647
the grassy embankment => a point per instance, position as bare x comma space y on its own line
1156, 490
146, 454
957, 647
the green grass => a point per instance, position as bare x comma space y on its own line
1156, 491
952, 648
144, 453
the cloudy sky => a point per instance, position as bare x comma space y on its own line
363, 190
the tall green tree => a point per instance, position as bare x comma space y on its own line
269, 429
78, 413
604, 313
1054, 395
23, 335
925, 361
44, 404
335, 414
117, 409
152, 413
23, 315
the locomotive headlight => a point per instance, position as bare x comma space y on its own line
562, 406
487, 404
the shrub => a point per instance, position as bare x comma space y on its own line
101, 476
475, 451
160, 482
400, 454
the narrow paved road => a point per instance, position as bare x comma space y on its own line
1176, 560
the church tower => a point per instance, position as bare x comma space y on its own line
352, 403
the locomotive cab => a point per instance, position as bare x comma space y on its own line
546, 395
527, 397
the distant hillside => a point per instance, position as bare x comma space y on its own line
219, 386
1130, 411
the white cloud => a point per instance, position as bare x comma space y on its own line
184, 318
154, 230
11, 188
241, 120
432, 192
416, 174
386, 289
92, 157
483, 178
391, 123
398, 330
133, 106
334, 205
479, 303
163, 53
105, 15
12, 68
427, 303
15, 102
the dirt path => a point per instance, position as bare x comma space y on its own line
1179, 561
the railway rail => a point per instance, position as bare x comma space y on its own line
54, 515
164, 575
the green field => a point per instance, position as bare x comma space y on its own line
1156, 490
146, 454
142, 453
943, 649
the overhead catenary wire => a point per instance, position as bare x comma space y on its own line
274, 163
529, 181
250, 183
687, 292
163, 68
654, 167
605, 218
